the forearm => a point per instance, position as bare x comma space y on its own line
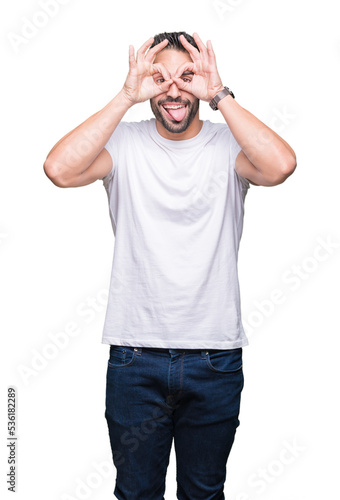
264, 148
76, 151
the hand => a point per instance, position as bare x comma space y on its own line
142, 83
205, 83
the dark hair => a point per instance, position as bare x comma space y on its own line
174, 41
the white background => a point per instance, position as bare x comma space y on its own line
281, 59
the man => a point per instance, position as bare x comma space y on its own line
176, 187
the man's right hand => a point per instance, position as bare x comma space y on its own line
80, 157
141, 83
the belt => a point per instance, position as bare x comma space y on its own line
164, 349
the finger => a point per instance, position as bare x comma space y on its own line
150, 56
187, 66
159, 67
211, 53
144, 48
164, 87
183, 85
190, 48
132, 60
200, 44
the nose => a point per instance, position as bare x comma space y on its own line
173, 91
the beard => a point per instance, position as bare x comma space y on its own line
170, 124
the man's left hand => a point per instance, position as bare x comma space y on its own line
205, 82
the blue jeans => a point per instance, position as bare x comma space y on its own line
156, 395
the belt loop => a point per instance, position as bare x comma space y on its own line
138, 350
204, 353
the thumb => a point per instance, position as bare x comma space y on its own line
164, 87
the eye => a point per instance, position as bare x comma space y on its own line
186, 80
159, 80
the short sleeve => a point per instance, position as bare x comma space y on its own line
112, 146
235, 148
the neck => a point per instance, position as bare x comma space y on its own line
193, 129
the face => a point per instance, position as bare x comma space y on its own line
174, 109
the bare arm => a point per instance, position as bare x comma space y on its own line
266, 159
80, 158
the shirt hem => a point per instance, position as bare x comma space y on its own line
180, 344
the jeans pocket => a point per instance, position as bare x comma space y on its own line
225, 361
121, 356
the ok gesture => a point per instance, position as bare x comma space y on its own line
142, 83
204, 82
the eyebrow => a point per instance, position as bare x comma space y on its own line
183, 74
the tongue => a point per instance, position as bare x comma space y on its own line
177, 114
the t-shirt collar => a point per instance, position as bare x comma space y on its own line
179, 144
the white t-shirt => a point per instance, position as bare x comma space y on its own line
177, 210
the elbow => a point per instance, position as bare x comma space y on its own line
281, 173
286, 169
289, 166
52, 171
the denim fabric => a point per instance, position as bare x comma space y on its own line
154, 396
